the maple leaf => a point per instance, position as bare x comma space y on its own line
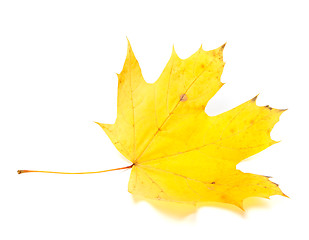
179, 153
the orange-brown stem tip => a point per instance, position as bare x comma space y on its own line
23, 171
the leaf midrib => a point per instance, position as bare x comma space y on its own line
168, 117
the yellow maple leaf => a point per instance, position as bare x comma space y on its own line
179, 153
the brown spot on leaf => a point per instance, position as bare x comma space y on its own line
213, 182
202, 65
183, 97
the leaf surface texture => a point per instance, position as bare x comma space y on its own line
180, 153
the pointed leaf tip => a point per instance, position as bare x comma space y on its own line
223, 46
174, 52
129, 45
128, 40
254, 99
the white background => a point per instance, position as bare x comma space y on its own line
58, 61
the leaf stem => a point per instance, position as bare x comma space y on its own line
109, 170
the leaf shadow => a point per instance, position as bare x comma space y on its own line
171, 209
180, 211
257, 202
